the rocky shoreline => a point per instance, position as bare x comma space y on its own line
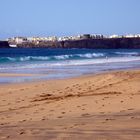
105, 43
4, 44
115, 43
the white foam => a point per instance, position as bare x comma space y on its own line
79, 62
62, 57
127, 53
56, 57
90, 55
95, 61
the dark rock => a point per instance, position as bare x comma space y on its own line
4, 44
103, 43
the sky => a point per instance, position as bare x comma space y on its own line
68, 17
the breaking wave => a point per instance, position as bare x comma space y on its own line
47, 58
128, 53
74, 63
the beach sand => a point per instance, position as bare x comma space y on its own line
16, 75
92, 107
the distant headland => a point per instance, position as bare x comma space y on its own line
80, 41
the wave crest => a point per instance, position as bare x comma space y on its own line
56, 57
127, 53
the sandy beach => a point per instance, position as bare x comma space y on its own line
15, 75
92, 107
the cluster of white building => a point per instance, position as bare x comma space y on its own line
125, 36
20, 40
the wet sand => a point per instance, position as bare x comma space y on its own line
16, 75
94, 107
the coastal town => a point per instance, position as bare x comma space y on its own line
14, 41
90, 41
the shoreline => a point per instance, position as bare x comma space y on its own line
99, 106
15, 75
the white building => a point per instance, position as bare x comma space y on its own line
114, 36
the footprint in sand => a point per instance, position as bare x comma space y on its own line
96, 102
89, 87
102, 112
21, 133
23, 121
35, 112
75, 125
18, 101
63, 112
22, 89
65, 128
84, 104
42, 108
130, 109
2, 124
43, 119
60, 117
132, 117
122, 110
4, 137
85, 115
106, 97
35, 131
109, 119
8, 117
51, 110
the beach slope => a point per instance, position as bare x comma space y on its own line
94, 107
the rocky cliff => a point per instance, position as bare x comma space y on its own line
124, 43
106, 43
4, 44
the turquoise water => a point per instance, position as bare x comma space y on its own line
63, 63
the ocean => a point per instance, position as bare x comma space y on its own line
63, 63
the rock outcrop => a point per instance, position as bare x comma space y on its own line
116, 43
106, 43
4, 44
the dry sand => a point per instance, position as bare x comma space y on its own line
93, 107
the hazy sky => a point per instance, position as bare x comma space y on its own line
68, 17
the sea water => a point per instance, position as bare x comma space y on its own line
63, 63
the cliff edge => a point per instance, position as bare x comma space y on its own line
4, 44
106, 43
